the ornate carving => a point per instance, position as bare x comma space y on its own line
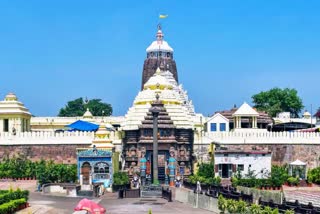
94, 153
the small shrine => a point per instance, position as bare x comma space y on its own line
14, 116
95, 164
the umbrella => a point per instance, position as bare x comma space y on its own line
90, 206
81, 125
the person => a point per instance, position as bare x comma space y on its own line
38, 186
198, 187
178, 181
14, 131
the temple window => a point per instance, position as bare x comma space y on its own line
6, 125
147, 133
101, 167
165, 133
160, 53
168, 54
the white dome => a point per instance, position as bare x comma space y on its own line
11, 97
306, 113
87, 114
159, 46
158, 80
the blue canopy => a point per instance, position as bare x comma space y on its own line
81, 125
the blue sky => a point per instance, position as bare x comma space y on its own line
226, 51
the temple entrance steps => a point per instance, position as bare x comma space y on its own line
85, 193
151, 191
86, 187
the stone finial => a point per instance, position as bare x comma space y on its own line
87, 114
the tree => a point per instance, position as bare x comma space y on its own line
78, 107
206, 170
278, 100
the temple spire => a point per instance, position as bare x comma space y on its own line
159, 35
159, 54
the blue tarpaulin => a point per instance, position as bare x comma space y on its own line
81, 125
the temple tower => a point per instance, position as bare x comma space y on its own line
159, 55
14, 116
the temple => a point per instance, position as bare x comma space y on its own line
175, 119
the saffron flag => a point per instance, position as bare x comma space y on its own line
163, 16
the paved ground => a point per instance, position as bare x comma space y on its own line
43, 204
303, 194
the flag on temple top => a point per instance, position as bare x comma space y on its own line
161, 16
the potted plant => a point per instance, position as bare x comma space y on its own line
217, 181
309, 183
222, 204
267, 210
234, 181
232, 206
255, 209
289, 212
120, 180
242, 206
291, 181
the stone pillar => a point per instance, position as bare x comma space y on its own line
81, 179
143, 168
155, 147
254, 122
172, 168
155, 109
90, 180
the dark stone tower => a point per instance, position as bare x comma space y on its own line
159, 54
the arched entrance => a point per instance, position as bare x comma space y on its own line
101, 171
86, 171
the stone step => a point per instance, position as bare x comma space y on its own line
152, 191
85, 193
86, 187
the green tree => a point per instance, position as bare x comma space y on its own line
78, 107
278, 100
206, 170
